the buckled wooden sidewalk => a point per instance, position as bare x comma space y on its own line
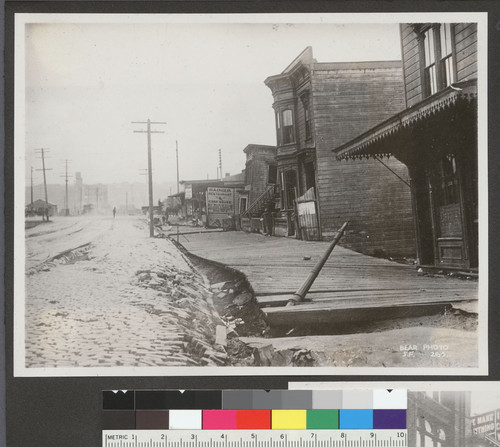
350, 287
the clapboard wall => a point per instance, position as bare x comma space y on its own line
347, 100
465, 58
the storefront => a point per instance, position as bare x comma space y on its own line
437, 140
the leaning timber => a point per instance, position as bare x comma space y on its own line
299, 295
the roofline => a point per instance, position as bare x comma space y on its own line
298, 59
356, 65
201, 181
266, 146
359, 65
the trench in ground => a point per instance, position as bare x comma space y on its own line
232, 307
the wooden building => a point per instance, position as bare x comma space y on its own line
319, 106
210, 202
435, 136
260, 186
41, 208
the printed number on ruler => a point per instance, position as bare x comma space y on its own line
257, 438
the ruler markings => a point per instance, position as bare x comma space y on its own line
248, 438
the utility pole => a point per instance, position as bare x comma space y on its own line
42, 151
148, 131
31, 185
177, 159
220, 164
66, 202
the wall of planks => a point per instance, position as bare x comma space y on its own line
346, 102
465, 39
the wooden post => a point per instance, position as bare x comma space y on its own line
148, 131
300, 294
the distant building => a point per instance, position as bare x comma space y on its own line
174, 205
319, 106
39, 208
96, 196
435, 136
211, 202
260, 184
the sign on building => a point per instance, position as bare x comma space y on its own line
188, 190
220, 205
487, 424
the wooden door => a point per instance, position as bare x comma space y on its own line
448, 216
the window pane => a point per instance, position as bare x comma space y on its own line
430, 80
307, 123
288, 132
445, 37
272, 174
287, 118
449, 181
429, 47
448, 72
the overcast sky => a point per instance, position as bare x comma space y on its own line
85, 83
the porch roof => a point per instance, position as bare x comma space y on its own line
371, 143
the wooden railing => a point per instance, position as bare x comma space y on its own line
266, 197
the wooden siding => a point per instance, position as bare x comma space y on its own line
410, 48
466, 51
346, 103
465, 41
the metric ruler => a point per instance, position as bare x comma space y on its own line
255, 438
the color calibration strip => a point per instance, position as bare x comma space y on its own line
254, 410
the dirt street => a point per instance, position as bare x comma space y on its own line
124, 300
101, 293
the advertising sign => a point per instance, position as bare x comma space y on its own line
220, 200
220, 205
189, 192
487, 424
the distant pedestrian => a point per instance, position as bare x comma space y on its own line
114, 212
268, 221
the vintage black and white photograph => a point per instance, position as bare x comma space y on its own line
250, 194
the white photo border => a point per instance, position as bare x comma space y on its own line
22, 19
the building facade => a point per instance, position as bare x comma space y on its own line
319, 106
436, 138
439, 419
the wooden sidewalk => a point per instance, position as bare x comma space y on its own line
351, 285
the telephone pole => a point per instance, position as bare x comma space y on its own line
177, 159
42, 151
220, 164
31, 185
66, 202
148, 131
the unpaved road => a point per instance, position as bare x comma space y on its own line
128, 301
63, 233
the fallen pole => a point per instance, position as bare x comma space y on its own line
299, 295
